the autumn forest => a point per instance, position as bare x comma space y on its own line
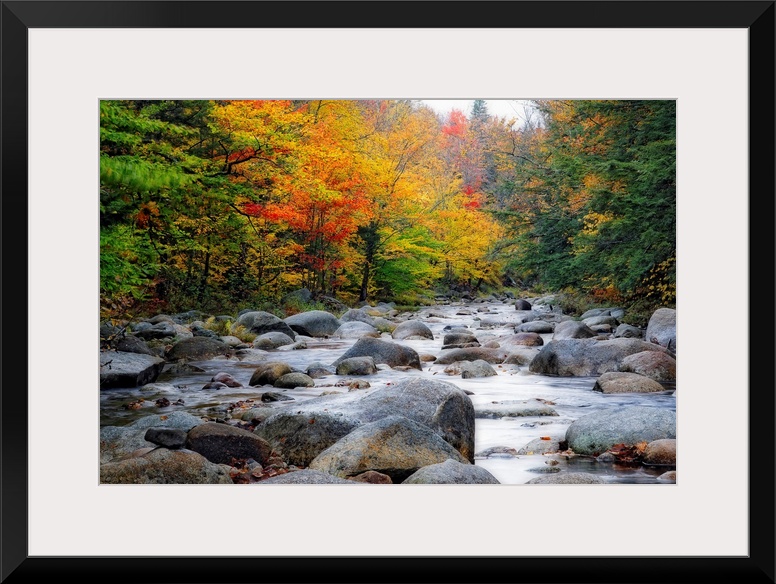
226, 205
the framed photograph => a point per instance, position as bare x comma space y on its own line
65, 63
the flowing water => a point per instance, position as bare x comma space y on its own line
571, 397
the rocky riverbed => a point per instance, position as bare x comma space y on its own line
491, 391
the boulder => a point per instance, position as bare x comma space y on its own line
117, 442
522, 304
521, 356
395, 446
412, 329
198, 349
268, 373
451, 472
617, 382
220, 443
660, 453
272, 340
355, 329
314, 323
536, 326
540, 446
122, 369
449, 356
601, 320
627, 331
573, 329
586, 357
164, 466
393, 354
259, 322
300, 437
440, 405
133, 344
357, 315
653, 364
294, 379
661, 328
595, 433
357, 366
172, 438
526, 339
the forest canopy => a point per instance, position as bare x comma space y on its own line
222, 205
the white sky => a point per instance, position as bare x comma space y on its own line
509, 108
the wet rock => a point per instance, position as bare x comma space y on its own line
161, 330
259, 322
472, 354
540, 446
390, 353
294, 379
268, 373
476, 369
198, 348
527, 339
133, 344
171, 438
522, 304
661, 328
521, 356
572, 329
164, 466
412, 329
273, 396
653, 364
357, 315
120, 369
617, 382
215, 385
598, 432
427, 358
451, 472
226, 379
395, 446
314, 323
258, 414
497, 452
271, 340
459, 340
536, 326
600, 320
357, 366
355, 329
300, 437
317, 370
626, 331
220, 443
660, 453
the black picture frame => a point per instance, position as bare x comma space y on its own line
19, 16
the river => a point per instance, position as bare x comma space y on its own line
571, 397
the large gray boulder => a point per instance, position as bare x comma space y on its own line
412, 329
163, 466
121, 369
387, 352
586, 357
357, 315
661, 328
259, 322
357, 366
133, 344
314, 323
536, 326
395, 446
628, 331
272, 340
451, 472
573, 329
598, 432
440, 405
355, 329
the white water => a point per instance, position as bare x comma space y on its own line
571, 397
